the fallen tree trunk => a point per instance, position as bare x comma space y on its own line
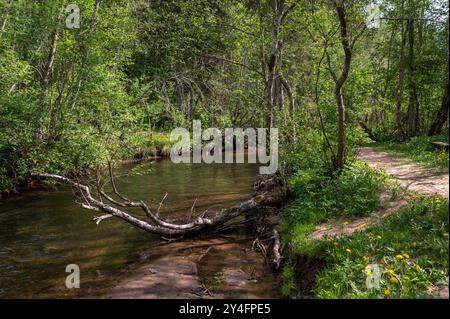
263, 201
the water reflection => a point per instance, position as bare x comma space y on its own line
42, 231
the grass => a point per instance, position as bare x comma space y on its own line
353, 193
409, 250
420, 149
288, 280
402, 257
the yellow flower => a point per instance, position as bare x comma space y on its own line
414, 244
387, 292
390, 271
348, 250
399, 257
379, 237
406, 256
394, 280
368, 273
445, 235
365, 258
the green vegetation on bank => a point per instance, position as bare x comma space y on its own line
420, 150
353, 193
410, 250
78, 152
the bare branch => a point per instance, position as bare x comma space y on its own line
99, 219
160, 204
158, 226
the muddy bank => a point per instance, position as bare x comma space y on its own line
196, 269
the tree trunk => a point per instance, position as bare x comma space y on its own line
401, 76
413, 106
339, 84
39, 134
278, 7
441, 116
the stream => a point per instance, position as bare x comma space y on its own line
43, 230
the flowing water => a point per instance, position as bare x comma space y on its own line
44, 230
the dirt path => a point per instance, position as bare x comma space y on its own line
412, 176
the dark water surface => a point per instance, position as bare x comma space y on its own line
42, 231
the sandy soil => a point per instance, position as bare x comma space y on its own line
414, 177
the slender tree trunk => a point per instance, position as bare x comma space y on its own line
339, 84
273, 63
39, 134
401, 77
413, 106
51, 59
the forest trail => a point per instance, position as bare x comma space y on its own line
413, 177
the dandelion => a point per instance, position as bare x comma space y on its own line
406, 256
399, 257
365, 258
368, 273
445, 235
348, 250
394, 280
379, 237
390, 271
387, 292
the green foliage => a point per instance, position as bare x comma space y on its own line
352, 193
410, 249
288, 280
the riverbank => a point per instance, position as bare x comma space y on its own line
392, 223
208, 268
79, 156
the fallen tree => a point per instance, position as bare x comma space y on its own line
270, 193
